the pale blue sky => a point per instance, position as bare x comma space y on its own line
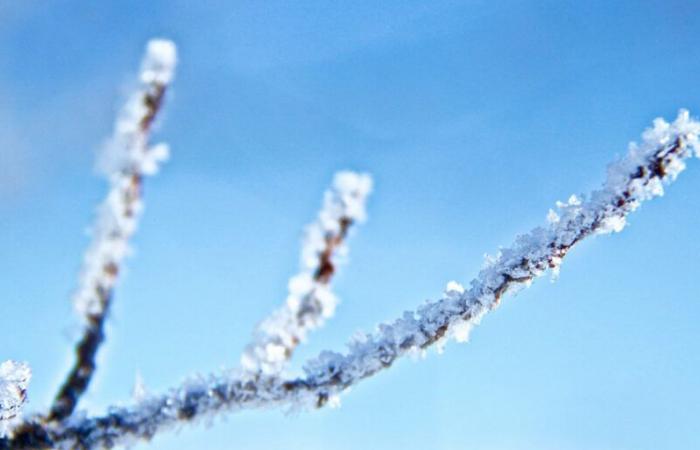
474, 118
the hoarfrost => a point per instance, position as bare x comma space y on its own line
310, 299
14, 380
632, 180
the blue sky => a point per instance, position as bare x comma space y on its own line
473, 117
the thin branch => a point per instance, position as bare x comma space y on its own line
310, 299
638, 177
125, 161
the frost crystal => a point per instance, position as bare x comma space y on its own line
158, 65
14, 380
310, 299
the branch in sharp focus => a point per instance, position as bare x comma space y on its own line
310, 299
638, 177
125, 161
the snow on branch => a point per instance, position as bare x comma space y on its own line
14, 380
639, 176
310, 299
125, 160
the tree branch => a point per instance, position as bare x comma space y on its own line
638, 177
125, 161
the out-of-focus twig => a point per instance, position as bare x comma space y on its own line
310, 299
126, 159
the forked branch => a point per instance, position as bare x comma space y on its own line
638, 177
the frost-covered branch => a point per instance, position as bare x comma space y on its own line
310, 299
126, 159
14, 380
639, 176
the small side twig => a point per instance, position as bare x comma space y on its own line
310, 299
126, 160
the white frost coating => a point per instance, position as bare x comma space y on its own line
14, 380
630, 181
125, 159
158, 65
310, 299
346, 199
637, 177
